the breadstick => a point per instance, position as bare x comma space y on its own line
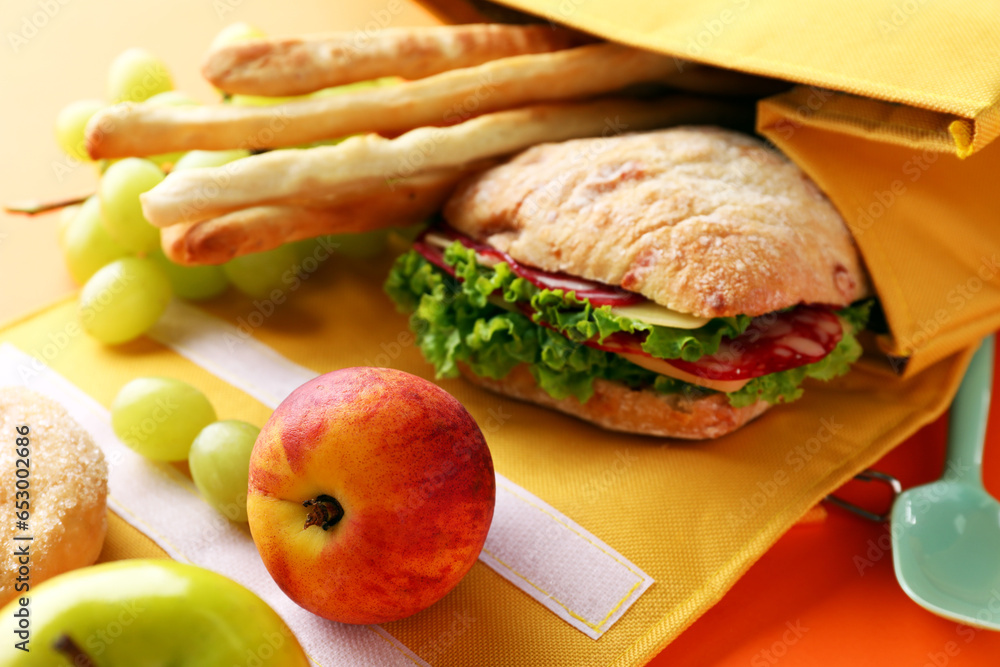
443, 99
260, 228
295, 177
295, 66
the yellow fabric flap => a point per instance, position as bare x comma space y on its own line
924, 220
940, 57
885, 122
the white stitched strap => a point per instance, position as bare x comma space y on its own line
556, 561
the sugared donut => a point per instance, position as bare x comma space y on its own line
67, 486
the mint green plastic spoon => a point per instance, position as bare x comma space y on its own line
946, 535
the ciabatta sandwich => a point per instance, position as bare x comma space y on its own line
674, 283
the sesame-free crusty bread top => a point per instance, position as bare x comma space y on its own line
699, 219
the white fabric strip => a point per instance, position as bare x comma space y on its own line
556, 561
164, 504
531, 544
229, 353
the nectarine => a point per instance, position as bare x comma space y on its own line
371, 492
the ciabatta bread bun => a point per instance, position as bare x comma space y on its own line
701, 220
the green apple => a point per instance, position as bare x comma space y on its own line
147, 613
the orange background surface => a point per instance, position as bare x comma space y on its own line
824, 594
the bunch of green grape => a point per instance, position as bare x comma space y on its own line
165, 419
114, 252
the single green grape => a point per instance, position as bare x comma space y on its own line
119, 191
66, 216
71, 124
261, 273
220, 465
196, 159
236, 32
192, 282
160, 417
136, 75
123, 300
87, 246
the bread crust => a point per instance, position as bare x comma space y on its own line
68, 489
700, 219
616, 407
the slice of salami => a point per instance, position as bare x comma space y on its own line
772, 343
433, 254
596, 293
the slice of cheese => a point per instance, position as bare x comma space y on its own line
438, 240
663, 368
653, 313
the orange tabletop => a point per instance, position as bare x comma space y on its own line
825, 594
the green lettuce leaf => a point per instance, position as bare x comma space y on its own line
474, 321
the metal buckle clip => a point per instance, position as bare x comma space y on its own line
870, 476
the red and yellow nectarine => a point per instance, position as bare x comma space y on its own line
371, 492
